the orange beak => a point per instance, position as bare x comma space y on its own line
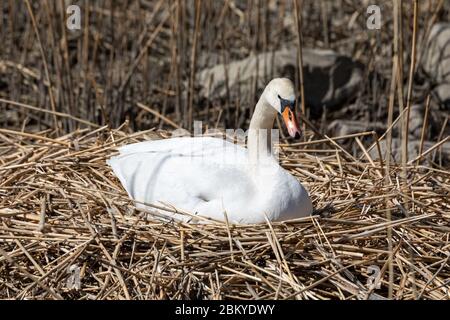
291, 123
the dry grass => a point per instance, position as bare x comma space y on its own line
143, 51
61, 208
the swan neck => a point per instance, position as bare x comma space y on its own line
260, 135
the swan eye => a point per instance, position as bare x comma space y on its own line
279, 96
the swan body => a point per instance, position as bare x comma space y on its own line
213, 177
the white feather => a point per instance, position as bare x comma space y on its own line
210, 176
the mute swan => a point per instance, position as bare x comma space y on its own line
211, 176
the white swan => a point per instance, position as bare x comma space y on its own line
211, 176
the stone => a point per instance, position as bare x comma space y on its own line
413, 150
330, 78
442, 92
436, 60
416, 118
345, 127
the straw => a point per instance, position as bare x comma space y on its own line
62, 208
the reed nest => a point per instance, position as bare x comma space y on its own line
63, 213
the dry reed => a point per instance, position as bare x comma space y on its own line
62, 209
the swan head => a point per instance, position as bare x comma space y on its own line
280, 94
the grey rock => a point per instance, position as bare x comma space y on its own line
330, 78
442, 92
344, 127
416, 121
416, 118
436, 60
413, 149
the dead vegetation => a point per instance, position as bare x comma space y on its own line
134, 66
63, 211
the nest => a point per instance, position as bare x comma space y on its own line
69, 231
